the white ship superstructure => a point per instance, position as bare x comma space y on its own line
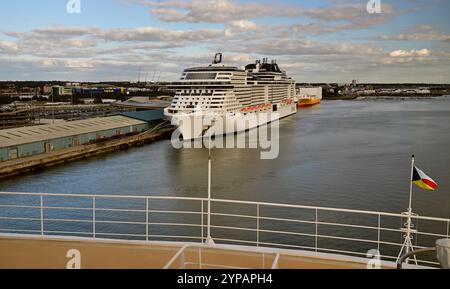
231, 96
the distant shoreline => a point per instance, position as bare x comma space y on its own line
378, 96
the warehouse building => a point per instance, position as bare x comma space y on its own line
34, 140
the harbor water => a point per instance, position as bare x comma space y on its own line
344, 154
347, 154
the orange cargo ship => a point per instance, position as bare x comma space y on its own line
308, 102
309, 96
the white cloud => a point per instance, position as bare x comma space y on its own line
80, 43
418, 33
410, 53
75, 64
65, 31
49, 63
240, 30
341, 16
245, 25
218, 11
160, 34
8, 46
169, 65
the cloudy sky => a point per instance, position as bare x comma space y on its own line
315, 41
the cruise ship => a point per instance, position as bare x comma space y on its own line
221, 99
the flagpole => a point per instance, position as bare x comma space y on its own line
409, 222
418, 177
407, 245
411, 184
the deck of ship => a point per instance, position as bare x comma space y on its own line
40, 230
33, 252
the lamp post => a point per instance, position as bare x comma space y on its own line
209, 239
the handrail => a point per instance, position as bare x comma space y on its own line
177, 255
171, 222
276, 262
229, 250
265, 204
412, 254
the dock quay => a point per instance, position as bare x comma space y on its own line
40, 162
29, 149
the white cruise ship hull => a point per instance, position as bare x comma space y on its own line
200, 125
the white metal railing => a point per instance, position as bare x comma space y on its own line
181, 260
276, 264
259, 224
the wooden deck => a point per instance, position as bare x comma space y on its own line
21, 252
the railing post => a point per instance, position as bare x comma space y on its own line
276, 262
146, 220
257, 225
42, 214
183, 261
209, 220
176, 257
93, 217
317, 230
448, 229
200, 261
203, 222
417, 232
379, 232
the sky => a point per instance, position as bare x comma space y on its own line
314, 41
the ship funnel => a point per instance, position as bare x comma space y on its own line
218, 58
258, 65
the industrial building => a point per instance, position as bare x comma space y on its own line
34, 140
61, 91
101, 89
16, 118
141, 103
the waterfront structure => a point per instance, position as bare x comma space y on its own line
33, 140
16, 118
235, 96
58, 90
153, 117
47, 89
144, 103
99, 89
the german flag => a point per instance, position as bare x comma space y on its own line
424, 181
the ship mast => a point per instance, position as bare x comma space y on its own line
409, 230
